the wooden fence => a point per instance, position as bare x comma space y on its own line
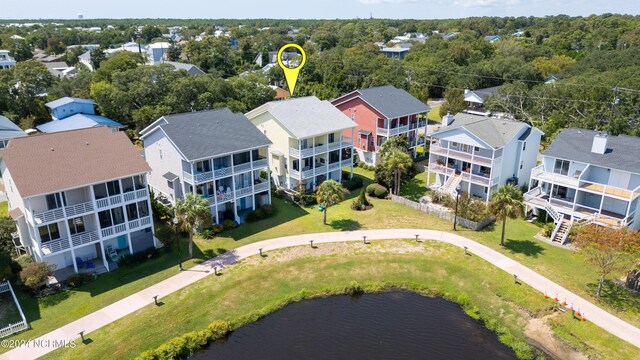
19, 326
443, 214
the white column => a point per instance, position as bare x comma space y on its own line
73, 260
104, 256
193, 177
352, 151
129, 242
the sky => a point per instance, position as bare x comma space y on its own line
325, 9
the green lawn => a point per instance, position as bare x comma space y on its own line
558, 264
257, 286
434, 115
4, 208
9, 313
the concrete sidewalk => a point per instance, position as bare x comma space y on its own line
143, 298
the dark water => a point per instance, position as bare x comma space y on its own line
392, 325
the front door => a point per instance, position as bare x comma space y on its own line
122, 242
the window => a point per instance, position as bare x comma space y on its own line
210, 189
524, 146
331, 138
127, 185
561, 167
454, 144
132, 212
49, 232
76, 225
117, 215
521, 163
143, 208
353, 116
100, 191
113, 187
476, 149
203, 166
139, 182
486, 189
170, 184
56, 201
104, 217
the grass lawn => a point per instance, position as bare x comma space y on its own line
434, 115
4, 208
257, 286
9, 313
558, 264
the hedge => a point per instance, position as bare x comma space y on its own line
260, 213
377, 190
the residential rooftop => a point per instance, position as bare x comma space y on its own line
9, 130
391, 101
495, 132
205, 134
575, 144
77, 121
67, 100
47, 163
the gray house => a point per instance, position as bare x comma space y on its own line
217, 154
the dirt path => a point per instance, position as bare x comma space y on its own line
541, 336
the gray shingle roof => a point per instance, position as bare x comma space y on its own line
190, 68
392, 102
575, 144
9, 130
210, 133
307, 116
493, 131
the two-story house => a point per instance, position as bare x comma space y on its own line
8, 131
79, 198
380, 113
478, 154
217, 154
309, 141
587, 177
6, 61
74, 113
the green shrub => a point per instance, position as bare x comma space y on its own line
308, 200
279, 193
260, 213
357, 205
217, 228
362, 164
228, 224
6, 271
219, 329
548, 229
35, 274
166, 234
207, 233
363, 198
76, 280
377, 190
139, 257
351, 184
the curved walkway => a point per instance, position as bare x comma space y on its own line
143, 298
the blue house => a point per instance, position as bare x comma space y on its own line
73, 113
394, 53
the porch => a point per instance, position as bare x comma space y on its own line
94, 265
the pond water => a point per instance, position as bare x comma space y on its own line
390, 325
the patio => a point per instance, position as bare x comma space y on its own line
88, 266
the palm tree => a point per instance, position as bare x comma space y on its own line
399, 162
192, 212
329, 193
506, 202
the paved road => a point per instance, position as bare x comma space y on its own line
143, 298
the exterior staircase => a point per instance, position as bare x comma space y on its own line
451, 184
561, 231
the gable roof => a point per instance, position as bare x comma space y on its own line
67, 100
306, 116
204, 134
390, 101
9, 130
76, 121
190, 68
575, 144
47, 163
493, 131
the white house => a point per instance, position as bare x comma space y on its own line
216, 154
6, 61
587, 177
79, 198
478, 154
308, 142
8, 131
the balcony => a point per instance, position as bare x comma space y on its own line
461, 155
242, 167
441, 169
55, 246
108, 201
347, 163
84, 238
539, 173
419, 124
346, 142
308, 151
261, 187
392, 131
475, 178
134, 224
113, 230
198, 177
79, 209
48, 216
244, 191
260, 163
334, 166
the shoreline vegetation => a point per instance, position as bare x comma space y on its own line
258, 286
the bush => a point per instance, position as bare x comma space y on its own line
34, 275
362, 164
262, 212
363, 198
217, 228
548, 229
357, 205
377, 190
6, 271
219, 329
139, 257
78, 279
207, 233
351, 184
228, 224
438, 197
279, 193
308, 200
166, 234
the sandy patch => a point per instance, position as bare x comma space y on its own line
541, 335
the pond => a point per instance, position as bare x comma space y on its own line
390, 325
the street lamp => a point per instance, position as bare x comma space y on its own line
175, 222
455, 217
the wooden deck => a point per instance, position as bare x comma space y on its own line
608, 190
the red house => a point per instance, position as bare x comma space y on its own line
382, 112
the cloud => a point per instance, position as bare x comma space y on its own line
484, 3
369, 2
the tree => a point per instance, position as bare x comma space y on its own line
7, 226
608, 249
150, 32
97, 57
384, 174
192, 212
173, 52
505, 203
453, 102
329, 193
400, 163
35, 274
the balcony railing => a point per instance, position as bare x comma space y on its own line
419, 124
134, 224
84, 238
110, 231
130, 196
142, 193
348, 162
476, 179
461, 155
48, 216
220, 173
441, 169
539, 173
319, 149
242, 167
244, 191
75, 210
321, 169
260, 163
113, 200
55, 246
392, 131
334, 166
261, 187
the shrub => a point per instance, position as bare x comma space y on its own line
132, 259
34, 275
363, 198
260, 213
357, 205
166, 234
362, 164
228, 224
377, 190
308, 200
217, 228
219, 329
351, 184
78, 279
6, 272
548, 229
279, 193
207, 233
442, 198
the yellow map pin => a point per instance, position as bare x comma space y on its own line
291, 74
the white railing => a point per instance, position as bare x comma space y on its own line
84, 238
261, 187
222, 172
382, 131
244, 191
13, 328
461, 155
551, 211
533, 193
321, 169
199, 177
113, 200
476, 178
113, 230
307, 174
145, 221
4, 287
539, 172
142, 193
441, 169
294, 173
48, 216
242, 167
335, 145
55, 246
134, 224
78, 209
347, 162
129, 196
334, 166
260, 163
